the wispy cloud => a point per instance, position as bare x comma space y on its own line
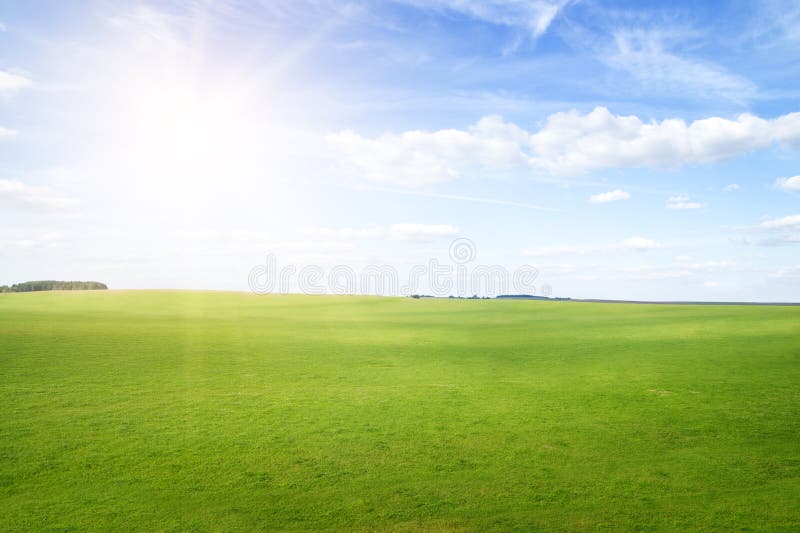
775, 22
400, 232
678, 270
773, 232
17, 194
682, 201
533, 15
731, 187
422, 232
646, 56
791, 272
462, 198
371, 232
633, 244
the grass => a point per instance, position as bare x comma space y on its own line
163, 410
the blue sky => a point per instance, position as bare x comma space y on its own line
624, 149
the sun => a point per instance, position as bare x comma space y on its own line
182, 135
187, 127
181, 132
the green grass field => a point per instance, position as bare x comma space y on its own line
226, 411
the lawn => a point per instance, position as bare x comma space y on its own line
159, 410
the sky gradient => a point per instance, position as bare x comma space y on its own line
627, 150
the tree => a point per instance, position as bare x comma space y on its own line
52, 285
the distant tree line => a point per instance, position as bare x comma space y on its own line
51, 285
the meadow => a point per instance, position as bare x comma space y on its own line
180, 410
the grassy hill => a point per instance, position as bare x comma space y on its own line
198, 410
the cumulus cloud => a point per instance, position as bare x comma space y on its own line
533, 15
788, 184
573, 143
17, 194
10, 82
682, 201
569, 143
610, 196
633, 244
417, 158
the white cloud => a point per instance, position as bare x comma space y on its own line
611, 196
781, 232
557, 250
685, 205
731, 187
533, 15
711, 284
792, 272
371, 232
400, 232
572, 143
633, 244
569, 143
418, 158
676, 270
783, 239
13, 82
17, 194
787, 222
462, 198
645, 55
422, 232
681, 201
788, 184
6, 133
637, 244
